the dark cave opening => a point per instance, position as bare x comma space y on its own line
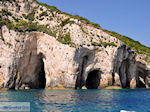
93, 80
140, 83
41, 75
141, 78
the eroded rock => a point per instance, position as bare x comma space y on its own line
32, 59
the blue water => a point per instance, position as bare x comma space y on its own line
81, 100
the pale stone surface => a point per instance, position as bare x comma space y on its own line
29, 59
61, 62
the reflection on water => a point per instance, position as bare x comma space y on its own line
81, 100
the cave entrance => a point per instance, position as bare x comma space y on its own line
140, 83
41, 74
93, 79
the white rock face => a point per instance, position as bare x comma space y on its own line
37, 60
20, 64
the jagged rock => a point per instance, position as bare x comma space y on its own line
32, 59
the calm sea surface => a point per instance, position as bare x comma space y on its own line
81, 100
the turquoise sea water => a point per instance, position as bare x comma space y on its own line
81, 100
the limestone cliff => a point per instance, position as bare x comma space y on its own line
42, 47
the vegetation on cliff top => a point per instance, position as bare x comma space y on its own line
20, 25
135, 45
53, 8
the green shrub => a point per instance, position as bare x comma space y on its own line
105, 44
96, 44
41, 19
66, 39
66, 21
43, 14
16, 19
95, 25
5, 13
30, 16
4, 22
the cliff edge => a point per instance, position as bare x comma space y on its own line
42, 47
